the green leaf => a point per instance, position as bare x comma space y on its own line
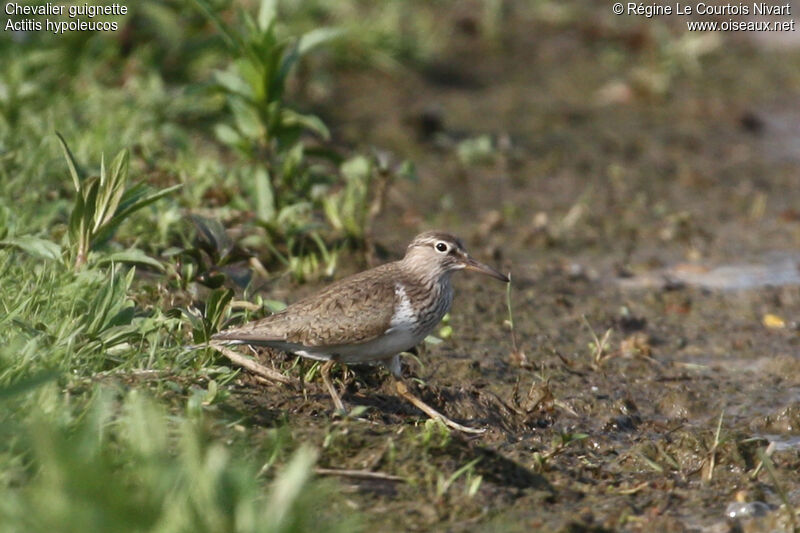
195, 321
330, 205
233, 83
292, 163
267, 12
107, 302
75, 219
251, 75
356, 168
312, 123
274, 306
316, 37
111, 190
246, 117
35, 246
73, 167
477, 150
227, 135
408, 170
132, 200
128, 207
132, 255
287, 63
265, 198
214, 234
292, 214
216, 305
90, 190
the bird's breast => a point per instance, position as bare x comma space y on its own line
420, 309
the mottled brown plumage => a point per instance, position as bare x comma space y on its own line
371, 316
352, 310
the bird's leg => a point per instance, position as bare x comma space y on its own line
325, 372
395, 367
402, 390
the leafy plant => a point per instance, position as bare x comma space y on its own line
126, 466
434, 434
387, 35
102, 203
283, 181
473, 482
255, 83
347, 209
558, 445
476, 151
263, 127
109, 325
309, 199
205, 325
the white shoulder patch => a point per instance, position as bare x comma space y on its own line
404, 316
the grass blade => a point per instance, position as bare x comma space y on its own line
73, 167
144, 200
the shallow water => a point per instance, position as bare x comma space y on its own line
778, 273
783, 442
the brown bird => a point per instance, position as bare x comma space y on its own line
372, 316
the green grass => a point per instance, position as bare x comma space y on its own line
120, 463
123, 159
152, 179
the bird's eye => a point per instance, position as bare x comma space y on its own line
441, 247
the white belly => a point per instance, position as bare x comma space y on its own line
378, 349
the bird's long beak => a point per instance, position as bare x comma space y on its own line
471, 264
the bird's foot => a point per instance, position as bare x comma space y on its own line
403, 391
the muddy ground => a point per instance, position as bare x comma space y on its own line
629, 159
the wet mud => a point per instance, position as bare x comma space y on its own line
651, 229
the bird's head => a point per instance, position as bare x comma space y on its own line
441, 253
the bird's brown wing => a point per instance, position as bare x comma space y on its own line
354, 310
